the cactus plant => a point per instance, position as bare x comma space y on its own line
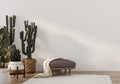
4, 47
15, 54
28, 41
10, 25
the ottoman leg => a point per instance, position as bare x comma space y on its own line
52, 71
69, 71
65, 71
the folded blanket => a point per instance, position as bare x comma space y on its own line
47, 72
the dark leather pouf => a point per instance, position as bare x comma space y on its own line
62, 63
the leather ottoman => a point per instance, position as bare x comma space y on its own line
61, 64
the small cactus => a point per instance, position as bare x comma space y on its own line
15, 55
28, 40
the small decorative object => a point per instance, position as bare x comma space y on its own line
28, 46
4, 56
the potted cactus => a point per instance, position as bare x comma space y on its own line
15, 58
4, 56
15, 65
28, 46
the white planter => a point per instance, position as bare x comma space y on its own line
14, 64
4, 76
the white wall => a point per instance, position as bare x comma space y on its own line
86, 31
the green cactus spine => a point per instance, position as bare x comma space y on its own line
28, 41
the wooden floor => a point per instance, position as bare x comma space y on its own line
115, 76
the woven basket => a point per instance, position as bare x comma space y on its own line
30, 65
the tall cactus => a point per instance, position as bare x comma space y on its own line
28, 41
10, 25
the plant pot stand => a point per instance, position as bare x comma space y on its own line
16, 68
30, 65
17, 72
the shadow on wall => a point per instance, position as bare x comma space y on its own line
50, 45
88, 52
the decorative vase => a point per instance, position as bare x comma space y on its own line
4, 76
30, 65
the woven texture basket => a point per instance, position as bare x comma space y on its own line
30, 65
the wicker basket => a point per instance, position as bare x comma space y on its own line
30, 65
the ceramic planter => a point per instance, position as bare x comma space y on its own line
14, 64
